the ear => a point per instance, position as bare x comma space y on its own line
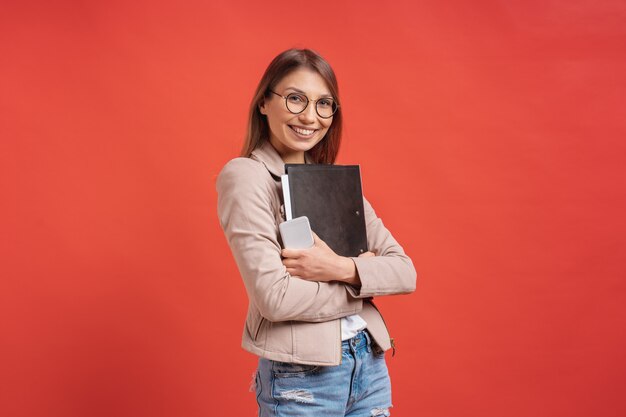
262, 107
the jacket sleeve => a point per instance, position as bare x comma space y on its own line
247, 216
391, 271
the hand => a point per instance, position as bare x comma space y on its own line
320, 263
355, 280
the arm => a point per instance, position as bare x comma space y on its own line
246, 213
321, 263
391, 271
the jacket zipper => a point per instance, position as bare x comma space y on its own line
340, 344
391, 339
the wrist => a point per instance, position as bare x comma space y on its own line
347, 270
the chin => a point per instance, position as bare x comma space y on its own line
302, 144
306, 147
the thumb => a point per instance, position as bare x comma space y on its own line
317, 241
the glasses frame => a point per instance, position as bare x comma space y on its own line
308, 100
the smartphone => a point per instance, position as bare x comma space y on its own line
296, 233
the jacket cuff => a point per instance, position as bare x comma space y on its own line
365, 291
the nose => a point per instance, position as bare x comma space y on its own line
308, 115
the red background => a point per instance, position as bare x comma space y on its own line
491, 139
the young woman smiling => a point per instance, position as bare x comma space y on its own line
311, 319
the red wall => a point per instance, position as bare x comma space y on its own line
491, 138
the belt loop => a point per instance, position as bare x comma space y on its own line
369, 340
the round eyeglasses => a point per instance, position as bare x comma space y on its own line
296, 103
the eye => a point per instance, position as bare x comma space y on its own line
326, 102
296, 98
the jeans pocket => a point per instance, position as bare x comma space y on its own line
377, 351
289, 370
257, 388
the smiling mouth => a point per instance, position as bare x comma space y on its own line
304, 133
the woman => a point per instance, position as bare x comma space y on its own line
311, 320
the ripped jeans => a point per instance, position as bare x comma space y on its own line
358, 387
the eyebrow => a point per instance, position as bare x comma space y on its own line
326, 95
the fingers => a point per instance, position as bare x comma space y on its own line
290, 262
367, 254
296, 271
296, 253
291, 253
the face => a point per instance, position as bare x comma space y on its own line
293, 134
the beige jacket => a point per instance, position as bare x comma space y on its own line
290, 319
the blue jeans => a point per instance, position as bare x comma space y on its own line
358, 387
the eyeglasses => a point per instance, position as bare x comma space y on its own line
296, 103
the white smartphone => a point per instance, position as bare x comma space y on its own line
296, 233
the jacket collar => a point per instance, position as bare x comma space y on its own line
266, 154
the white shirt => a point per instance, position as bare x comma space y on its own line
350, 326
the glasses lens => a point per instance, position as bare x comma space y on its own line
326, 107
296, 103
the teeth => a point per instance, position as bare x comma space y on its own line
303, 131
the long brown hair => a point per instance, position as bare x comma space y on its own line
325, 151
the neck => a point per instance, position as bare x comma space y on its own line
288, 156
294, 158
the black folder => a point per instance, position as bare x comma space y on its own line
332, 198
